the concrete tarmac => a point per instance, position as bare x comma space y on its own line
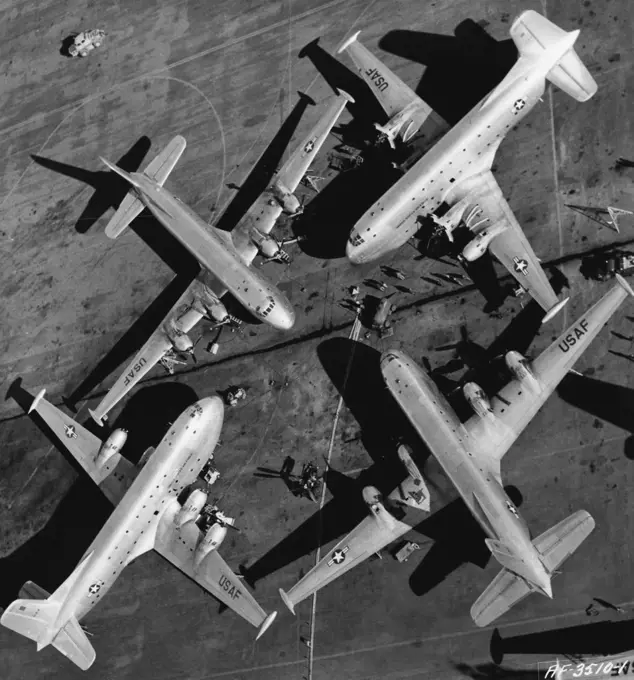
226, 75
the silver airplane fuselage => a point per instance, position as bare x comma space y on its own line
482, 491
464, 151
216, 253
174, 465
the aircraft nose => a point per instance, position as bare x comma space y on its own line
355, 253
283, 317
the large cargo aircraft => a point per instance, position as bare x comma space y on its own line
148, 515
471, 453
226, 257
456, 171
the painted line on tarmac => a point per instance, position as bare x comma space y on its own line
354, 336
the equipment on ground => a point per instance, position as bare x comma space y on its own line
85, 42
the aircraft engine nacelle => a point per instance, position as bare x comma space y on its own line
212, 306
268, 246
478, 246
192, 508
520, 369
287, 199
180, 340
112, 445
211, 541
478, 400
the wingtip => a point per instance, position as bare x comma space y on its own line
348, 42
624, 284
348, 97
38, 397
554, 310
266, 624
96, 418
287, 601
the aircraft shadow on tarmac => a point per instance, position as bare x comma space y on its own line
586, 640
354, 369
133, 339
110, 188
50, 555
482, 671
260, 176
612, 403
460, 69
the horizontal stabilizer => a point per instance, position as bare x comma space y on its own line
72, 642
534, 34
505, 591
161, 167
507, 558
130, 208
559, 542
31, 618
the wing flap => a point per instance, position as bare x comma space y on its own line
505, 591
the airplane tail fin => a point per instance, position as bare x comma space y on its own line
556, 544
35, 620
158, 170
533, 34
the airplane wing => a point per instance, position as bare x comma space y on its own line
505, 591
511, 247
153, 351
291, 173
266, 210
366, 539
514, 406
178, 546
392, 93
84, 447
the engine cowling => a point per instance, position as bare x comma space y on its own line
179, 339
112, 445
212, 539
211, 306
191, 509
287, 199
478, 245
520, 368
268, 246
478, 400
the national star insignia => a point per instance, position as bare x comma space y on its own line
309, 146
338, 556
520, 266
519, 105
94, 588
70, 432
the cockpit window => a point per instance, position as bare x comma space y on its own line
356, 240
268, 309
